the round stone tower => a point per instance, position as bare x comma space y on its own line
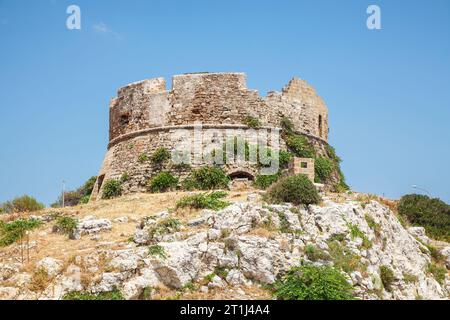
146, 116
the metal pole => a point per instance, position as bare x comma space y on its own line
63, 191
28, 246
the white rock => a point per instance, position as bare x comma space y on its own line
50, 265
445, 252
419, 233
109, 281
124, 260
216, 282
252, 197
141, 236
235, 277
123, 219
240, 218
7, 270
260, 259
134, 287
181, 265
196, 222
90, 226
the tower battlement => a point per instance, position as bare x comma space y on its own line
145, 115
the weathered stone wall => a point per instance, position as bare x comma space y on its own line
214, 98
123, 157
302, 166
145, 116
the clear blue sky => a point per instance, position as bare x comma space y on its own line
387, 91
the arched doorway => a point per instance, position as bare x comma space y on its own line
241, 180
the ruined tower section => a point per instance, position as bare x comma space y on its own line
146, 116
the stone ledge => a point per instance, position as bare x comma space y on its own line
192, 126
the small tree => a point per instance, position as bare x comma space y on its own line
162, 182
309, 282
208, 178
295, 189
160, 156
112, 189
22, 204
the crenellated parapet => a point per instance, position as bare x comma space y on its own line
214, 98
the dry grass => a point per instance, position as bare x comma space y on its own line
40, 280
262, 232
250, 293
135, 206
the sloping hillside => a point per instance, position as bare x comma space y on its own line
141, 247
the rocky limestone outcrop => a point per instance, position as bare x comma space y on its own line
247, 244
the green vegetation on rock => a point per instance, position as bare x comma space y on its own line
112, 189
83, 295
294, 189
204, 201
162, 182
12, 231
206, 178
432, 214
309, 282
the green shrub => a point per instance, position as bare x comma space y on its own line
112, 189
287, 125
182, 167
82, 295
355, 232
435, 253
222, 272
204, 201
376, 227
143, 157
160, 156
310, 282
88, 186
78, 196
339, 237
323, 169
12, 231
208, 178
84, 199
264, 181
162, 182
295, 189
300, 146
331, 153
157, 251
438, 272
387, 277
165, 226
188, 184
284, 157
410, 278
343, 258
432, 214
315, 254
124, 177
252, 122
285, 226
22, 204
65, 225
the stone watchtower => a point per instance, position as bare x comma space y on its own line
146, 116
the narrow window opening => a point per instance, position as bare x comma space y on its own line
100, 182
124, 119
320, 126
